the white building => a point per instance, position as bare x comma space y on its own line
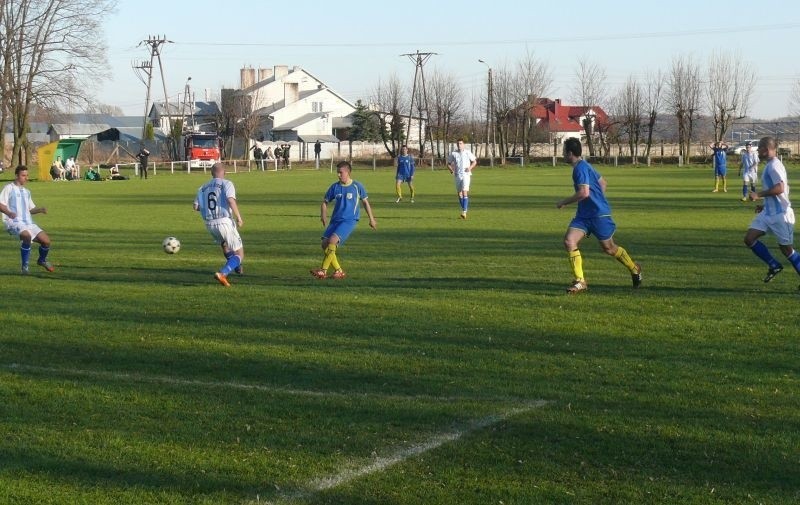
294, 105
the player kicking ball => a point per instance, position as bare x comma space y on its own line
347, 194
216, 202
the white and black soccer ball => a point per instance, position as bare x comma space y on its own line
171, 245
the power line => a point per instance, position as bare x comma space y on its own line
546, 40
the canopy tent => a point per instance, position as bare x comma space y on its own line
48, 153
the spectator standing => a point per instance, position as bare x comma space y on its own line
18, 208
285, 152
278, 157
317, 150
144, 158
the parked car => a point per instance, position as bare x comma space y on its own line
738, 148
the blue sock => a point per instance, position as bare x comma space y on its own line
43, 253
744, 191
25, 252
760, 250
794, 259
229, 254
233, 262
466, 203
461, 202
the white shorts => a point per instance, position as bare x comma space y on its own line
780, 225
18, 228
750, 176
225, 232
462, 181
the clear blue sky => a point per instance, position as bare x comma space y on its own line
352, 44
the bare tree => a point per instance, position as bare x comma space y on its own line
505, 103
628, 107
54, 52
447, 99
684, 98
653, 98
730, 86
533, 81
590, 91
388, 100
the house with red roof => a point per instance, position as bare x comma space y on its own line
564, 121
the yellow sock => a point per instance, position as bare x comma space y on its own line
413, 192
576, 261
330, 258
622, 257
398, 191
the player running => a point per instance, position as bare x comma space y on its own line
216, 202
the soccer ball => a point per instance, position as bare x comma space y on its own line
171, 245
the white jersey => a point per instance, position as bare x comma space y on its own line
212, 199
18, 200
461, 160
774, 173
749, 160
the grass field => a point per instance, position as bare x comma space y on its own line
449, 368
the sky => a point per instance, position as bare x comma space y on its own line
351, 45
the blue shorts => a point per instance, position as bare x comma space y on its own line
720, 171
601, 227
404, 178
341, 229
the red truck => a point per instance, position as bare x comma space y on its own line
202, 149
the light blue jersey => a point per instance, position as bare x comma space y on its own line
774, 173
18, 200
212, 199
348, 199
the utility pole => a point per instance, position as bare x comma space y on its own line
490, 114
154, 42
419, 60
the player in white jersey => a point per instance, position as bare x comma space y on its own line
749, 170
216, 202
17, 208
775, 215
460, 163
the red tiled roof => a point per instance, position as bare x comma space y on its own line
553, 116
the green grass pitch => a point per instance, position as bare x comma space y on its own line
449, 367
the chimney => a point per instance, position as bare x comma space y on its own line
280, 71
264, 74
247, 77
291, 93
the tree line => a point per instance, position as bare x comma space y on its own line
51, 51
721, 90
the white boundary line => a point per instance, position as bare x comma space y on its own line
175, 381
346, 475
382, 463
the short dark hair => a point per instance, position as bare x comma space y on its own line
344, 164
573, 146
20, 168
